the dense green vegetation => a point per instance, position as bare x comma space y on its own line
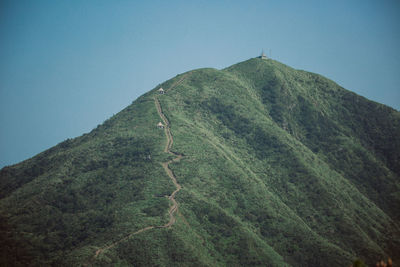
281, 167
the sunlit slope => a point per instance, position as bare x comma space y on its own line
279, 167
291, 158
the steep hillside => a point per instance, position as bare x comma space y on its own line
258, 164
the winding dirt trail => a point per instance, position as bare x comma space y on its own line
174, 208
170, 141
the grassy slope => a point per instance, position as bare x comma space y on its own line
266, 147
280, 167
92, 189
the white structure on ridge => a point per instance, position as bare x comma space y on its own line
160, 125
263, 56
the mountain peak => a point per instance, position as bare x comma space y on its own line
255, 164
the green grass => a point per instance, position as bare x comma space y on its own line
281, 167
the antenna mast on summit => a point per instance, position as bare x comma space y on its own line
263, 56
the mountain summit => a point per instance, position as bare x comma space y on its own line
257, 164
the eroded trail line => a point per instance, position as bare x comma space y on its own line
99, 251
174, 208
170, 141
175, 84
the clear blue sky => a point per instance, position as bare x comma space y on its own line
66, 66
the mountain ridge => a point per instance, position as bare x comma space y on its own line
279, 167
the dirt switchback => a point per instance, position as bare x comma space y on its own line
174, 208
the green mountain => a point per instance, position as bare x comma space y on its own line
257, 164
